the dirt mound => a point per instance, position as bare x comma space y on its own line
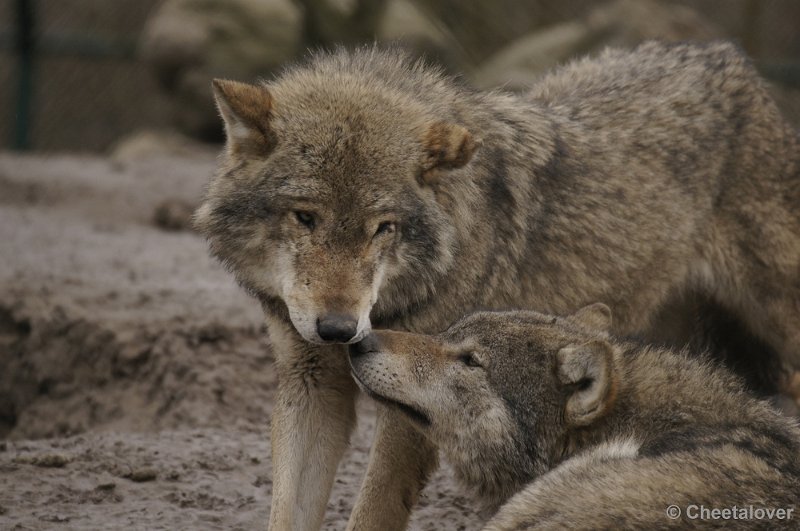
106, 321
64, 373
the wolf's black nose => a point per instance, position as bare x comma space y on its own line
336, 327
368, 344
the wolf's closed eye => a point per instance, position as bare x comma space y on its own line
306, 219
387, 227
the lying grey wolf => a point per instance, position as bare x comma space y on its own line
606, 434
361, 189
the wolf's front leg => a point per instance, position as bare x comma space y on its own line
400, 463
311, 424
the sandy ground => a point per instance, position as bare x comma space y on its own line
136, 379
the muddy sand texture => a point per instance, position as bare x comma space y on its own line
136, 379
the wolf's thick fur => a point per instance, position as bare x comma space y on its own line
363, 190
606, 434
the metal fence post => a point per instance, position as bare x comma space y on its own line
25, 46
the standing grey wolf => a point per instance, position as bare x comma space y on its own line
595, 432
362, 189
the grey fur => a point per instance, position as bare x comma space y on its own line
633, 178
673, 429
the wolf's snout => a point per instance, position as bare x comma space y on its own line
366, 345
337, 328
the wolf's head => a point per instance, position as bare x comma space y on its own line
498, 391
326, 195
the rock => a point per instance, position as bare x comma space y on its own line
329, 23
187, 43
174, 215
623, 23
633, 21
147, 144
143, 474
45, 460
421, 33
517, 66
483, 28
55, 518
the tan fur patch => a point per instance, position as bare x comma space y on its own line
447, 146
246, 111
590, 363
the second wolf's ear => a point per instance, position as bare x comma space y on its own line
595, 316
587, 374
447, 146
246, 110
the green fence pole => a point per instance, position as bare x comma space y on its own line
25, 45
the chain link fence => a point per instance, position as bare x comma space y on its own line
72, 78
75, 78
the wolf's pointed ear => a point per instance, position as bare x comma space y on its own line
245, 109
447, 146
587, 373
596, 316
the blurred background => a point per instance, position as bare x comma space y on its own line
99, 75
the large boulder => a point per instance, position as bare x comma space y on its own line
421, 33
189, 42
623, 23
483, 28
186, 43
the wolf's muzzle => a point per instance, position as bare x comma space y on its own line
337, 328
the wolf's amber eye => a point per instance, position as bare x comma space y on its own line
305, 218
387, 227
469, 360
